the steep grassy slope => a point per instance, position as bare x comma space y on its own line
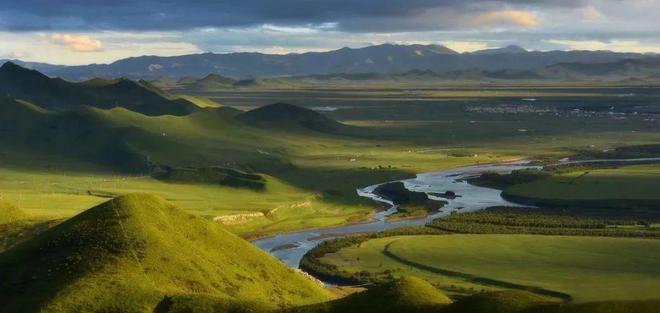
9, 213
408, 294
128, 254
17, 226
59, 95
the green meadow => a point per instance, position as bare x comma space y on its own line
311, 175
587, 268
624, 182
104, 209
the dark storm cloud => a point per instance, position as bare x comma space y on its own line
351, 15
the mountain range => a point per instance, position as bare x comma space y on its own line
385, 58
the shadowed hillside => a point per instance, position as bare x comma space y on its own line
291, 117
78, 134
59, 95
408, 294
499, 302
134, 252
212, 81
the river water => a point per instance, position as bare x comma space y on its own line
291, 247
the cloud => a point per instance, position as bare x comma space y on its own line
350, 15
508, 18
592, 14
77, 43
466, 46
613, 45
115, 46
15, 54
174, 27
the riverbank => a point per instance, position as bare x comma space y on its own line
471, 198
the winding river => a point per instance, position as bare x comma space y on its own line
291, 247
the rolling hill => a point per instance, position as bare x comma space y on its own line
59, 95
210, 82
500, 302
289, 117
137, 253
407, 294
82, 134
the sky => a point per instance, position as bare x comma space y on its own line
102, 31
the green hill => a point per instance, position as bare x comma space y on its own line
499, 302
60, 95
408, 294
212, 82
133, 252
80, 134
289, 117
9, 213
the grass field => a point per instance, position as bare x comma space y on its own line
626, 182
587, 268
314, 198
312, 176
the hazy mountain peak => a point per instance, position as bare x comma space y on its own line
507, 49
434, 48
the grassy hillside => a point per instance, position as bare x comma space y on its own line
500, 302
311, 175
129, 253
407, 294
212, 82
77, 134
59, 95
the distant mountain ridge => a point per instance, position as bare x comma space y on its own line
643, 68
385, 58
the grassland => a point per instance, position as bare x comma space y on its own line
553, 221
587, 268
559, 241
311, 175
625, 182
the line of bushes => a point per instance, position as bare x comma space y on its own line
537, 221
